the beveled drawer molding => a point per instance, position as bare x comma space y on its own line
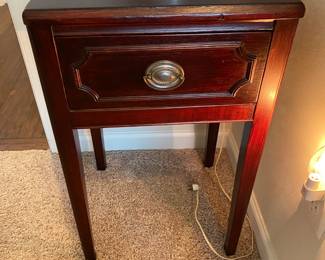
238, 51
226, 68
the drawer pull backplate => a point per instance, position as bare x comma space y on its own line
164, 75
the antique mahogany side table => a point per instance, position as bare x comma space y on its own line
105, 63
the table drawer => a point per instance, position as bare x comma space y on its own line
168, 70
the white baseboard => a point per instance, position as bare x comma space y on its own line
259, 227
152, 137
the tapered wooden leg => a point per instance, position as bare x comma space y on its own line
99, 149
249, 157
211, 144
69, 151
255, 132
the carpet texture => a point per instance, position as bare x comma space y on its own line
141, 207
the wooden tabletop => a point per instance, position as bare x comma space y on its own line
106, 11
72, 4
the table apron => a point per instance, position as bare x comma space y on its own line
112, 118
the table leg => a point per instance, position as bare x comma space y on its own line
69, 151
255, 132
99, 148
211, 144
249, 157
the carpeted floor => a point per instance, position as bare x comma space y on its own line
141, 207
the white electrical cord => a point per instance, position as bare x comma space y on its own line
229, 198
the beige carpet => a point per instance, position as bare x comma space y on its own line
141, 207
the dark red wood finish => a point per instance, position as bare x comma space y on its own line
66, 136
158, 116
255, 132
210, 152
107, 71
165, 12
99, 148
91, 56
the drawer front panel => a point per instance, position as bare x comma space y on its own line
108, 71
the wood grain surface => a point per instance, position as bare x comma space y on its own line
73, 4
220, 68
188, 11
20, 124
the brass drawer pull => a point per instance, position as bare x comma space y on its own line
164, 75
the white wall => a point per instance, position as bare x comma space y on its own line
157, 137
297, 130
